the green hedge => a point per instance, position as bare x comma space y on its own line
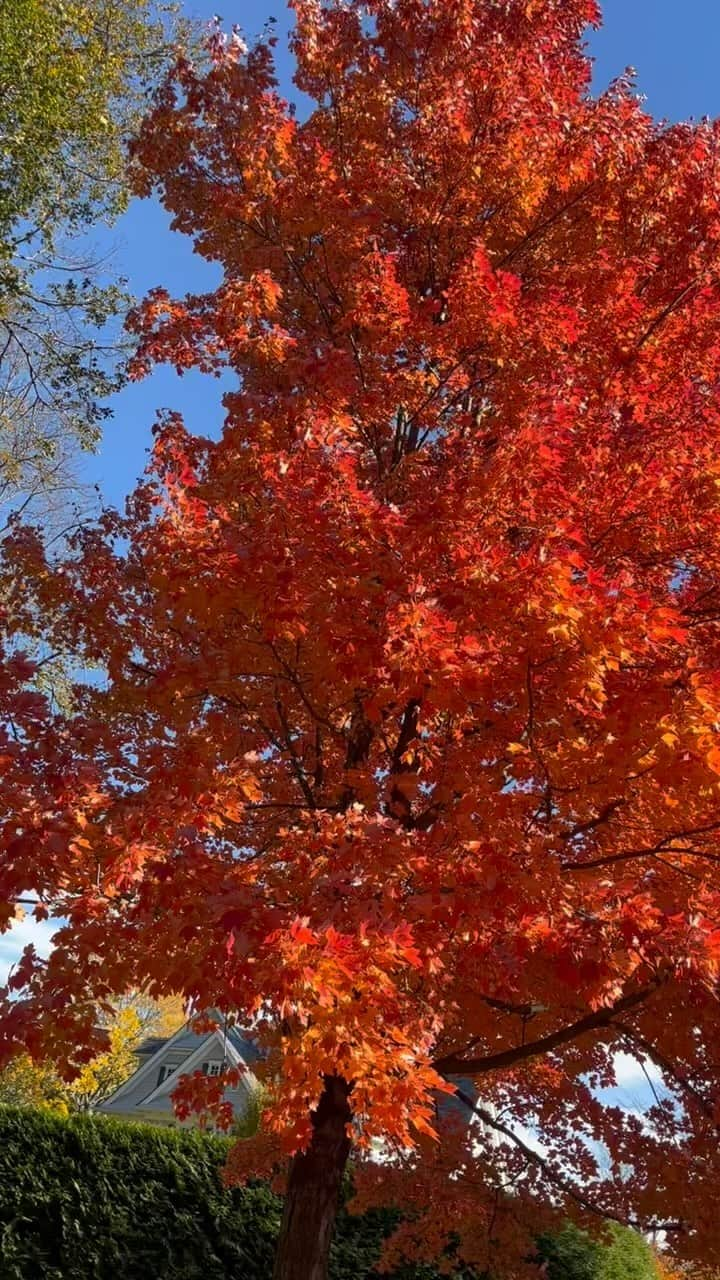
98, 1199
85, 1198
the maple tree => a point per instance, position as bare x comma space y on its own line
407, 747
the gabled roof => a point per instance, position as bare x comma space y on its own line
226, 1042
145, 1068
151, 1045
216, 1041
244, 1043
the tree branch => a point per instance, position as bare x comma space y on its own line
534, 1157
670, 1070
456, 1064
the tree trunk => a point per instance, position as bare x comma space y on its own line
313, 1189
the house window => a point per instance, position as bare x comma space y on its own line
165, 1071
212, 1068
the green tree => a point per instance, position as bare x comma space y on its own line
573, 1255
75, 76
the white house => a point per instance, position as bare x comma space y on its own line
146, 1094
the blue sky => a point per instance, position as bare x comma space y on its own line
674, 48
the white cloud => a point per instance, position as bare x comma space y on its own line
530, 1137
629, 1072
639, 1086
22, 932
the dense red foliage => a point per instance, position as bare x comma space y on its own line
409, 745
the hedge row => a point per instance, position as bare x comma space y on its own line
98, 1199
85, 1198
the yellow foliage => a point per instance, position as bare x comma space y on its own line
25, 1083
105, 1073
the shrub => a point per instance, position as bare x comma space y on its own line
91, 1198
94, 1199
572, 1255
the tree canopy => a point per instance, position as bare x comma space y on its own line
407, 743
74, 78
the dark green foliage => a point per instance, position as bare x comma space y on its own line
89, 1198
570, 1255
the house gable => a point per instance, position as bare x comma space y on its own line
144, 1073
214, 1048
146, 1095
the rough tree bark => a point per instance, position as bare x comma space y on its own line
313, 1189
